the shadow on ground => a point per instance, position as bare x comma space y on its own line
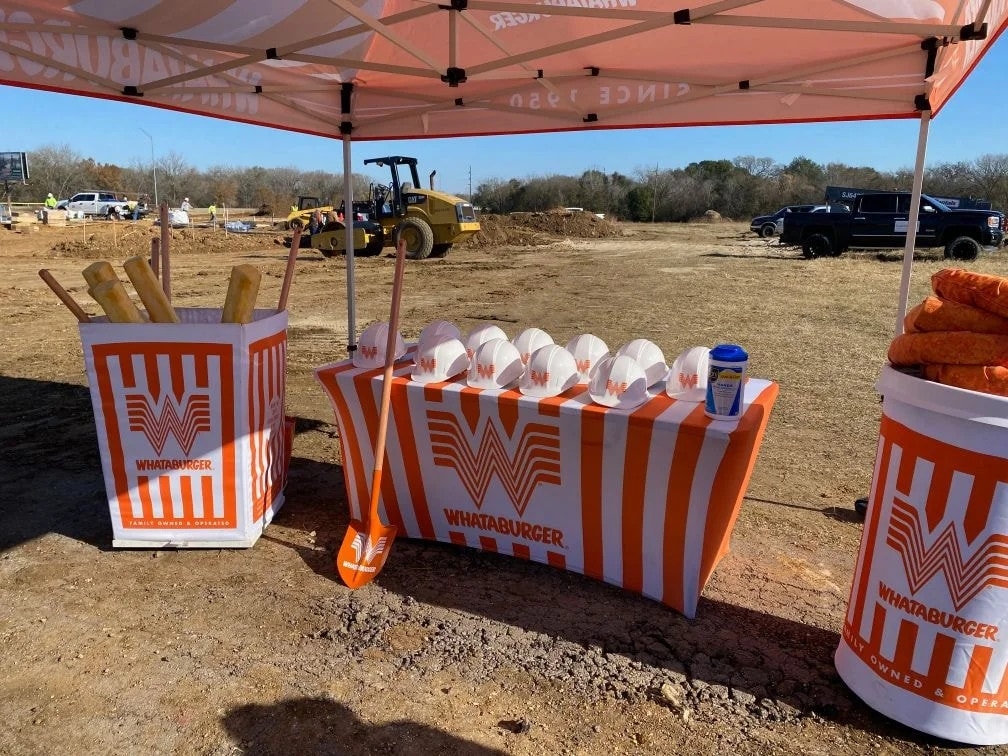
320, 726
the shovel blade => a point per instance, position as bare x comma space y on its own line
363, 552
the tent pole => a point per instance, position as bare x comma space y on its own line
348, 245
911, 237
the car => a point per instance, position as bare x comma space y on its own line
98, 204
836, 208
880, 220
771, 225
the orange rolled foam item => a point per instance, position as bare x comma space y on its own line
936, 314
949, 348
990, 379
981, 290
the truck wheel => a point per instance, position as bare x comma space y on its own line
418, 236
817, 245
768, 230
440, 250
963, 248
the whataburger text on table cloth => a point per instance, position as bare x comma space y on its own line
643, 499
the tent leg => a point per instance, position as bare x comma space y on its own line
348, 221
911, 237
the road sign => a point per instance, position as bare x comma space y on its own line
14, 167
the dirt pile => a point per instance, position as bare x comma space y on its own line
106, 241
535, 229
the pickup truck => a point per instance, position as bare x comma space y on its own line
880, 220
99, 204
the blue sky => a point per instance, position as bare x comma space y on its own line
971, 124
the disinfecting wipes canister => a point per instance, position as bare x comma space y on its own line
724, 381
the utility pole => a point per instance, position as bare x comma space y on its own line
654, 191
153, 165
470, 184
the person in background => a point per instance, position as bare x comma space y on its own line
185, 206
136, 210
316, 223
213, 214
50, 202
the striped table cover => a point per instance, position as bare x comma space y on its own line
643, 499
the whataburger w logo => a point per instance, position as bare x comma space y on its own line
536, 458
184, 420
364, 550
539, 377
988, 566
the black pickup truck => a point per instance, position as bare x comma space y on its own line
880, 221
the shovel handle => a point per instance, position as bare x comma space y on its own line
165, 250
386, 398
289, 272
64, 296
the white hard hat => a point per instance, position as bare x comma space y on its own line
687, 377
650, 357
437, 330
495, 364
551, 370
370, 352
529, 340
440, 360
587, 349
618, 381
482, 333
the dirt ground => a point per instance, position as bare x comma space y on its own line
449, 650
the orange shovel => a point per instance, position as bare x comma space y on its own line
366, 545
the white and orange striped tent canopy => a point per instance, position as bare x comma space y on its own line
397, 69
394, 69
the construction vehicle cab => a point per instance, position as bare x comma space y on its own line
306, 206
430, 222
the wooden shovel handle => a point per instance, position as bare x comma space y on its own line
289, 272
386, 399
165, 250
64, 296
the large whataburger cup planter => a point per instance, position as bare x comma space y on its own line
925, 637
191, 427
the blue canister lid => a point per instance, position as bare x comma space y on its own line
729, 353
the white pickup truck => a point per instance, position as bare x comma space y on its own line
99, 204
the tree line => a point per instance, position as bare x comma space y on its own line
737, 189
64, 172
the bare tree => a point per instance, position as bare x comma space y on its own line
762, 167
989, 177
659, 185
57, 169
175, 176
